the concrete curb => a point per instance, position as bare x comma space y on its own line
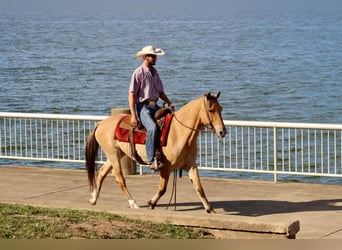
222, 226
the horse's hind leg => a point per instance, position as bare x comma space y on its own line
121, 181
164, 178
102, 173
194, 176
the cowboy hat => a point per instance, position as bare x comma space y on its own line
149, 50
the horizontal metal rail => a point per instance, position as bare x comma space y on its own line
255, 147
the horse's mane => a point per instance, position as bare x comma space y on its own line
190, 104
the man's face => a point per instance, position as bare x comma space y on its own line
151, 59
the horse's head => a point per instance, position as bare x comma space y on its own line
212, 115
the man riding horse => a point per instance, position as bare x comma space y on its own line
179, 152
145, 89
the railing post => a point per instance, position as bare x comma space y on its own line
275, 176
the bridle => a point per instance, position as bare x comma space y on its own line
209, 126
206, 106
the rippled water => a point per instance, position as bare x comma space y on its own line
268, 66
274, 66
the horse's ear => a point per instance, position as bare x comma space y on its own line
217, 95
207, 95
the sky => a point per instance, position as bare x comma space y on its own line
167, 5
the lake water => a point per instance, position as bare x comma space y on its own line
268, 66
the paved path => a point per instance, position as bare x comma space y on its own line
317, 207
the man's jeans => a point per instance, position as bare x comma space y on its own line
146, 116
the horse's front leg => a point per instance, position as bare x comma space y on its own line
194, 176
163, 180
103, 172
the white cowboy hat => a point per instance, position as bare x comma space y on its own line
149, 50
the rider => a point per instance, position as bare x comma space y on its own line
144, 91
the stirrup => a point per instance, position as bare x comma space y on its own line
156, 165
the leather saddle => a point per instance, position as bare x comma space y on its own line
123, 130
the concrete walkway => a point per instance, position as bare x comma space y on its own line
271, 210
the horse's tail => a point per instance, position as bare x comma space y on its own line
91, 151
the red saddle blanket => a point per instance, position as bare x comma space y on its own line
122, 129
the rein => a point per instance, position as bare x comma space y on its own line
186, 126
174, 186
174, 189
210, 126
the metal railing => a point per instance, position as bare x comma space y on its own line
255, 147
275, 147
45, 137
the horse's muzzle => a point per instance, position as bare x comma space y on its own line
221, 133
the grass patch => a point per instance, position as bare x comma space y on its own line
28, 222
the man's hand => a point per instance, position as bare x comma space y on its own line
131, 101
172, 107
134, 121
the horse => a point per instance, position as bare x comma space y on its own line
179, 153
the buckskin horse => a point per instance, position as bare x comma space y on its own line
179, 153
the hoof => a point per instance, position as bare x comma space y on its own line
210, 210
150, 204
132, 204
92, 202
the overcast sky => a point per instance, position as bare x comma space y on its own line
168, 5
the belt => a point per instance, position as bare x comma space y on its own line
149, 103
